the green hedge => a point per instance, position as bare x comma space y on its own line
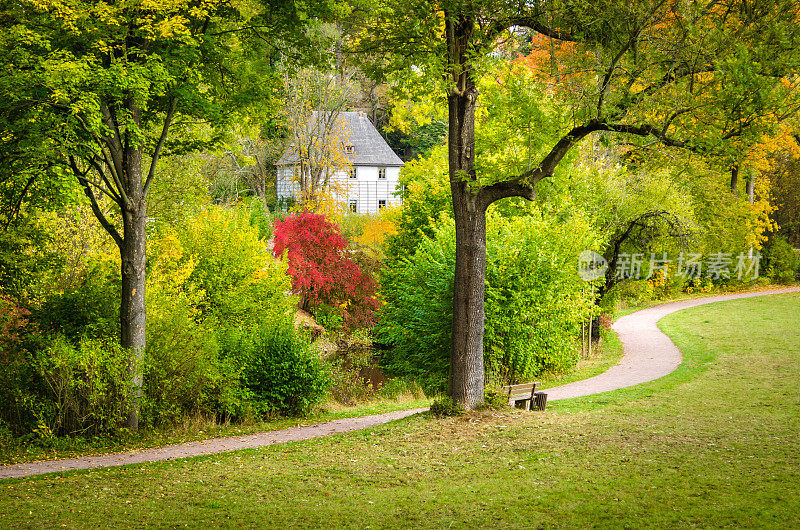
535, 300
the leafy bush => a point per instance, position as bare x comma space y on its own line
181, 374
782, 263
89, 308
352, 366
278, 368
238, 278
13, 325
322, 272
417, 317
445, 406
633, 292
396, 387
208, 279
494, 399
426, 193
535, 301
18, 376
86, 387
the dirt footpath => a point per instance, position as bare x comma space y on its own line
204, 447
648, 354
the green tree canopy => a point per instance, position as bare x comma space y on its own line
94, 89
704, 76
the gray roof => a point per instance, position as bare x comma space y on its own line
369, 147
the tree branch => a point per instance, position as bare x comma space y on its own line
533, 23
501, 190
159, 146
607, 77
114, 138
112, 164
523, 185
98, 213
18, 202
109, 189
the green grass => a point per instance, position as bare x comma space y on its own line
713, 444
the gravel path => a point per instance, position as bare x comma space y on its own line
647, 355
204, 447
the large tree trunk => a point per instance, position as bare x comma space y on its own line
466, 357
134, 259
132, 307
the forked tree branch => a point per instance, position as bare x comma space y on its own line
98, 213
160, 145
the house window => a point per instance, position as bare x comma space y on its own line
382, 173
381, 204
353, 206
348, 149
352, 172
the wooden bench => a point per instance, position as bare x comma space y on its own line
525, 396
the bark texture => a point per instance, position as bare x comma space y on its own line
132, 306
466, 358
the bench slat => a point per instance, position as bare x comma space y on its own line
523, 386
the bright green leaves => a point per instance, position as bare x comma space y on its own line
517, 123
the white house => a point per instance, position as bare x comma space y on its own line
375, 169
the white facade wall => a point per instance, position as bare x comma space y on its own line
365, 194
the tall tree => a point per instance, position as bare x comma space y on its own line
696, 75
101, 84
319, 134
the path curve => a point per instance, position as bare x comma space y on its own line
647, 355
203, 447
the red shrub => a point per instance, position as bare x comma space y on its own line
322, 272
13, 325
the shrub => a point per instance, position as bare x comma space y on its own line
182, 375
89, 308
493, 398
417, 317
278, 368
209, 279
354, 374
322, 272
426, 193
445, 406
18, 376
86, 387
535, 301
782, 263
396, 387
238, 278
635, 292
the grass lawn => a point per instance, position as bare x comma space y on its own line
713, 444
